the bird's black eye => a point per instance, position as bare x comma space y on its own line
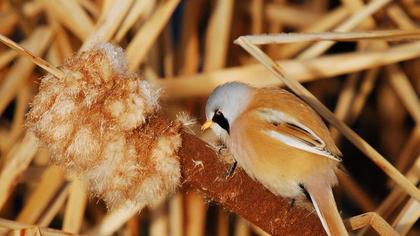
221, 120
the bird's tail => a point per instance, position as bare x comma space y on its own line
324, 203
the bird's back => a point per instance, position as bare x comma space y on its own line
284, 101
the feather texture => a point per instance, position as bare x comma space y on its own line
288, 130
284, 107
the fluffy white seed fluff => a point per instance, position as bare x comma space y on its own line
102, 123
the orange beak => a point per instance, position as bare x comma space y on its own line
207, 125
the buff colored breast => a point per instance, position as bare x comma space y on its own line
273, 163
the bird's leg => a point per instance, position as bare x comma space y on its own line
221, 149
292, 202
308, 197
231, 169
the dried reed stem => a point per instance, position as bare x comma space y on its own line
52, 180
303, 71
291, 15
355, 192
54, 207
108, 25
159, 220
400, 17
90, 7
222, 222
18, 127
146, 36
37, 60
356, 5
372, 219
9, 19
75, 209
327, 22
365, 90
401, 84
7, 57
257, 8
20, 229
349, 24
218, 35
242, 227
396, 196
22, 69
189, 52
138, 11
195, 214
388, 35
343, 109
19, 158
409, 150
117, 218
176, 215
407, 217
71, 15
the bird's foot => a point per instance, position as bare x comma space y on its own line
221, 149
231, 169
292, 202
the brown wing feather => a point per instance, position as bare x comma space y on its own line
296, 108
296, 131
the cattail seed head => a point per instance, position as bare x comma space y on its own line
102, 122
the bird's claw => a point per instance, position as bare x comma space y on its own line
231, 169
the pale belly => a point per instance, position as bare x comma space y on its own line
279, 167
274, 181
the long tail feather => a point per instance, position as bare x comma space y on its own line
324, 203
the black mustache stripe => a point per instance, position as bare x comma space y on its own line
219, 119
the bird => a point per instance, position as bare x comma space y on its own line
279, 141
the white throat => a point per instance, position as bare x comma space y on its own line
231, 99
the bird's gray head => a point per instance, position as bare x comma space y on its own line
224, 105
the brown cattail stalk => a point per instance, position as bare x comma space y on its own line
102, 123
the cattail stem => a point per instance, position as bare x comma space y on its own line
113, 221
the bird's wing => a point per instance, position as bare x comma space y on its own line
290, 131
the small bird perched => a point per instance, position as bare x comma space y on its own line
279, 141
